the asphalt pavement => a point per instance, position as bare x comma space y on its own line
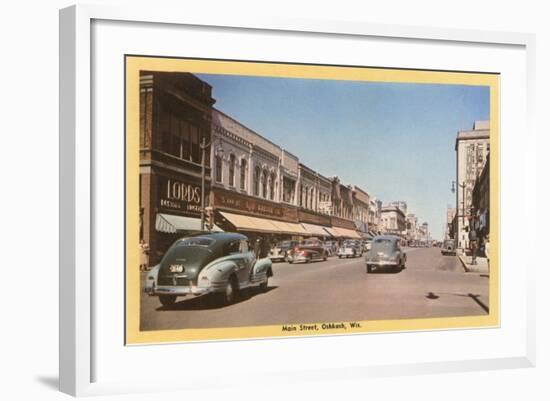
432, 285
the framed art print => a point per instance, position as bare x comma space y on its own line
259, 191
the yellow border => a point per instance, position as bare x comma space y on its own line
134, 64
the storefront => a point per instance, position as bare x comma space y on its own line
175, 116
256, 218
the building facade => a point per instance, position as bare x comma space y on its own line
472, 150
175, 115
393, 220
480, 202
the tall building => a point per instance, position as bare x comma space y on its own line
451, 213
175, 115
472, 150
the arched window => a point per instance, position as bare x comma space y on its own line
311, 199
256, 179
272, 187
264, 184
232, 170
218, 168
306, 202
243, 174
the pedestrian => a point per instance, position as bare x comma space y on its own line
472, 236
257, 247
143, 255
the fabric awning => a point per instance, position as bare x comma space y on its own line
314, 229
346, 233
170, 223
257, 224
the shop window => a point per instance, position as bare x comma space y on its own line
243, 174
232, 170
218, 168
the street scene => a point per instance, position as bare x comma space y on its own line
279, 201
432, 285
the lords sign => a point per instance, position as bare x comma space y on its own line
181, 196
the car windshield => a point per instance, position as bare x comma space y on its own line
383, 245
284, 244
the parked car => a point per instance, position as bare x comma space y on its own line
219, 264
350, 248
280, 251
308, 250
366, 245
449, 247
385, 253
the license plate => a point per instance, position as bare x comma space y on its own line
176, 269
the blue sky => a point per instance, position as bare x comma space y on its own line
394, 140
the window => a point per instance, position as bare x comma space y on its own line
272, 187
175, 141
232, 170
243, 246
256, 180
195, 149
185, 139
232, 247
306, 202
264, 184
218, 168
243, 174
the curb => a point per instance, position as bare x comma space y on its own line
471, 269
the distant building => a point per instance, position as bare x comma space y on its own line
472, 150
401, 205
412, 227
480, 202
393, 220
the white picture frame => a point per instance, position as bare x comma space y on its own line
78, 374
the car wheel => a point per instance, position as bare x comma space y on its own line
308, 259
325, 258
369, 269
231, 291
263, 286
339, 256
167, 300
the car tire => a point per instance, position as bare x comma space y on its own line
231, 292
167, 300
264, 285
339, 256
308, 259
369, 269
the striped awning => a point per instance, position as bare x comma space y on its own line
170, 223
258, 224
314, 229
340, 232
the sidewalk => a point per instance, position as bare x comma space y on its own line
480, 267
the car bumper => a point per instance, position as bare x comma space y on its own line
277, 257
183, 290
383, 263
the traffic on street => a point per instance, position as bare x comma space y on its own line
431, 285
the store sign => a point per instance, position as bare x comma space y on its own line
179, 195
236, 202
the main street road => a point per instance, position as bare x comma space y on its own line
432, 285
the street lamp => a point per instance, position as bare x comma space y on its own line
219, 151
